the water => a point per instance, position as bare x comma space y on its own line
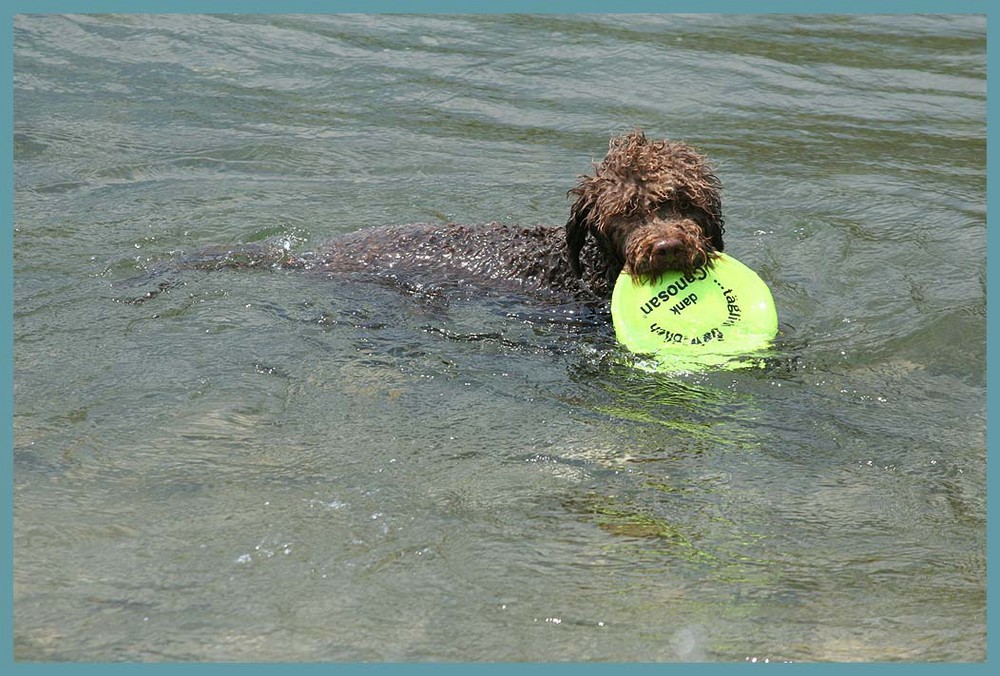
265, 465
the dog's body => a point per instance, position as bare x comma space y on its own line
650, 207
527, 259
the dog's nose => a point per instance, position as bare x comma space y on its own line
665, 247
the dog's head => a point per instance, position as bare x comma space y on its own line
651, 207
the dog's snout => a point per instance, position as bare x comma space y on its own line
653, 250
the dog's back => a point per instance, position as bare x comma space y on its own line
494, 254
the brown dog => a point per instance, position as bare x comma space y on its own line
649, 207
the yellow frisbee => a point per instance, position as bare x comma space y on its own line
710, 317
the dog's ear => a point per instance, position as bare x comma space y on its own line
703, 196
576, 233
715, 234
712, 223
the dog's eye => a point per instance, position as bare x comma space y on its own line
667, 210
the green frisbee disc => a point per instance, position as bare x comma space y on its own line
710, 317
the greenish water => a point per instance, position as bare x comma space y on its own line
269, 466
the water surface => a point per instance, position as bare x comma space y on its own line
267, 465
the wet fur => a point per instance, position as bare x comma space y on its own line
648, 207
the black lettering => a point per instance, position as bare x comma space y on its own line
668, 336
689, 300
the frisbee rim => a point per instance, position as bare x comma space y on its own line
754, 330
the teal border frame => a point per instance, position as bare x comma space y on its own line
13, 7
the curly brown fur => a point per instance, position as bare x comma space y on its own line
658, 246
651, 207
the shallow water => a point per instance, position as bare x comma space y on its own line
268, 465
